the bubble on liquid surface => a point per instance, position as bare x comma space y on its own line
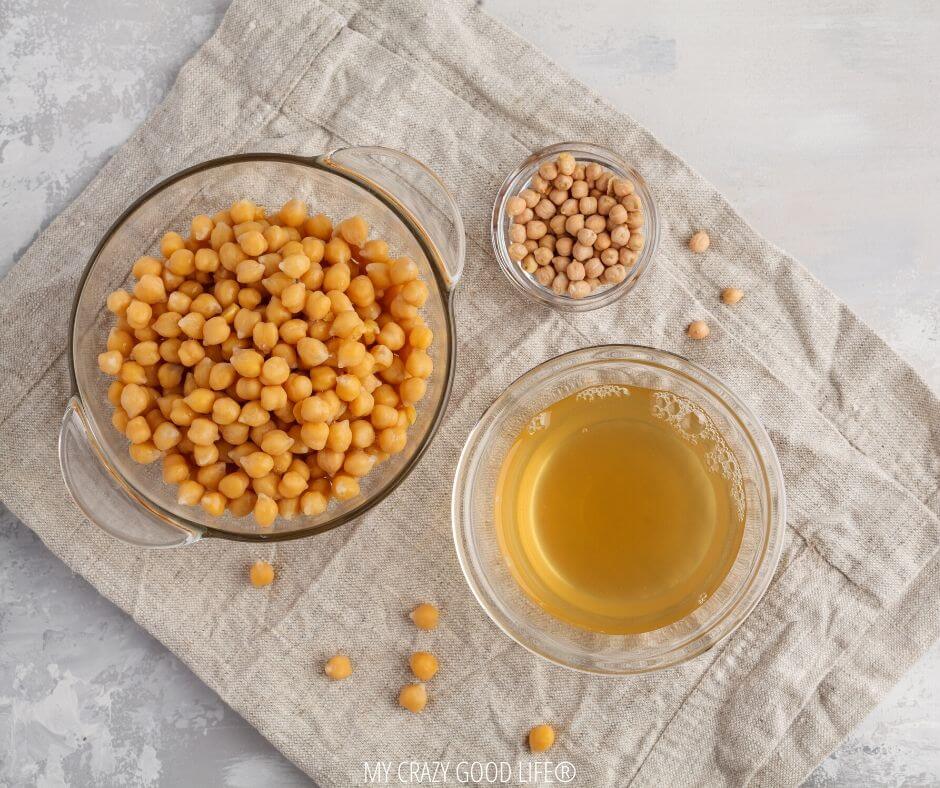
540, 422
693, 424
603, 391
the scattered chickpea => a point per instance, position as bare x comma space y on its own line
573, 224
423, 664
413, 697
261, 574
248, 353
699, 242
338, 668
731, 295
541, 738
698, 329
425, 616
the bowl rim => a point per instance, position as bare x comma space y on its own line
447, 291
753, 590
521, 281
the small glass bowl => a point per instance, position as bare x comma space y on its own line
583, 152
758, 480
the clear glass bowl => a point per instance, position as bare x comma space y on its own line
584, 152
403, 202
489, 575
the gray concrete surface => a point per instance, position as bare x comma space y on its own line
818, 119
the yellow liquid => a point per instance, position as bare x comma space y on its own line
620, 509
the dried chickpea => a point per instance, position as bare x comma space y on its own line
423, 664
338, 668
731, 295
698, 329
413, 697
699, 242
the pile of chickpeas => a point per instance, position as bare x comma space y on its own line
272, 361
577, 227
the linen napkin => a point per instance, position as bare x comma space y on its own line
853, 603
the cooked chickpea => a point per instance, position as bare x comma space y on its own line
234, 485
313, 503
314, 435
213, 503
253, 243
423, 664
144, 453
340, 436
419, 364
265, 512
413, 697
413, 390
257, 464
276, 442
403, 270
393, 439
425, 616
541, 738
318, 226
166, 436
338, 668
261, 573
274, 371
203, 432
731, 295
137, 430
254, 343
150, 289
138, 314
110, 362
170, 243
345, 486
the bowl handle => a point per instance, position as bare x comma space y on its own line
416, 188
104, 497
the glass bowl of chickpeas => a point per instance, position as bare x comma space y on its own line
574, 227
262, 347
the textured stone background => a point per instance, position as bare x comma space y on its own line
818, 119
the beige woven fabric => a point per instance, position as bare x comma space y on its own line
855, 599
